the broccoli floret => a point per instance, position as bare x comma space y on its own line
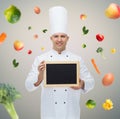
8, 94
100, 51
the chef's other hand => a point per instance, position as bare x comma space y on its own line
80, 86
41, 69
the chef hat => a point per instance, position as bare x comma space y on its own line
58, 20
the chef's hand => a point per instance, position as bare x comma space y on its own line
41, 69
80, 86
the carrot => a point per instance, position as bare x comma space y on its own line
2, 37
95, 66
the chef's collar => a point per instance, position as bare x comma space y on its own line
56, 52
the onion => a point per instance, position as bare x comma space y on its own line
108, 79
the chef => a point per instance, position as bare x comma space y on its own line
59, 102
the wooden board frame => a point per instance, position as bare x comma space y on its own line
66, 66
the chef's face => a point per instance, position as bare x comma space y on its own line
59, 41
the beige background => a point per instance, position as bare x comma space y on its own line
28, 106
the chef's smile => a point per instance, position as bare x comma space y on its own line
59, 44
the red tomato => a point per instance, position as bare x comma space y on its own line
108, 79
99, 37
29, 51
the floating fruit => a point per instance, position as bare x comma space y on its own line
18, 45
113, 11
29, 52
83, 16
12, 14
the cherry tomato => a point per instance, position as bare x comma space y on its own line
29, 51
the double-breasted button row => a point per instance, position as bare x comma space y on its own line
55, 90
56, 101
52, 56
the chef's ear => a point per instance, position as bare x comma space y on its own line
50, 37
67, 37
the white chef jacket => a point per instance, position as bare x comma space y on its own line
59, 102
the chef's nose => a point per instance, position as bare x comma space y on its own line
59, 38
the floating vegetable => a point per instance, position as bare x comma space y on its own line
42, 48
108, 104
113, 50
29, 28
100, 51
44, 30
85, 30
2, 37
95, 66
15, 63
90, 104
99, 37
108, 79
8, 94
29, 51
12, 14
84, 45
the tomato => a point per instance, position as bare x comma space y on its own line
99, 37
108, 79
29, 51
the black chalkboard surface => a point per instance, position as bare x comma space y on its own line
62, 73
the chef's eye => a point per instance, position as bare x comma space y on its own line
55, 36
63, 36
